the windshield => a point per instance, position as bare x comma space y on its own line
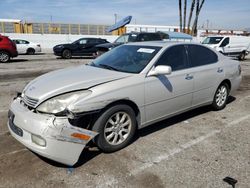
212, 40
126, 58
126, 38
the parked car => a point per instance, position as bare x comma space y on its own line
234, 46
7, 49
125, 89
26, 47
81, 47
129, 37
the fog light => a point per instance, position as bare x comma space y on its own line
38, 140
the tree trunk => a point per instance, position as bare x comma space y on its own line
185, 12
190, 16
198, 9
180, 14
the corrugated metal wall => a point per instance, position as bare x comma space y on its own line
53, 28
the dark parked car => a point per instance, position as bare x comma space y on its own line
129, 37
81, 47
7, 49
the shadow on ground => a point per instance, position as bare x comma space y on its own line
91, 151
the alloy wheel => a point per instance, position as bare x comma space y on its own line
117, 128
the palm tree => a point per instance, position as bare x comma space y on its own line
180, 14
185, 12
190, 16
198, 9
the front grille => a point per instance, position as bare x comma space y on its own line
29, 101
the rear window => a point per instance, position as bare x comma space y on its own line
200, 55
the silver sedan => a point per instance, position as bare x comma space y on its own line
127, 88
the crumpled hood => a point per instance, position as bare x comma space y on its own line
70, 79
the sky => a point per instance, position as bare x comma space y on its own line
218, 14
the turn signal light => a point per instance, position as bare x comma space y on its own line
80, 136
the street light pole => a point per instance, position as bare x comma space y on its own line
115, 17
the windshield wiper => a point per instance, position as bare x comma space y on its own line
108, 67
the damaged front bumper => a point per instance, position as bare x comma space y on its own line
49, 136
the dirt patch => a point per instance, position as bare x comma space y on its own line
245, 83
148, 180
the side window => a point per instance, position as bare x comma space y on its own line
25, 42
154, 36
17, 41
175, 57
143, 37
225, 42
1, 39
83, 41
200, 55
92, 41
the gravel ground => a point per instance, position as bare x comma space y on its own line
195, 149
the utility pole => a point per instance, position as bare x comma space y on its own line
115, 17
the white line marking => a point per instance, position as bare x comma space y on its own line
235, 122
3, 133
13, 152
183, 147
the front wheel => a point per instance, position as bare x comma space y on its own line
220, 97
4, 57
242, 56
116, 128
66, 54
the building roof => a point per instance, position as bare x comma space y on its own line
9, 20
177, 35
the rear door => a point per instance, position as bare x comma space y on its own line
169, 94
207, 72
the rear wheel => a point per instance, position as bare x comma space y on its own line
116, 128
221, 96
31, 51
4, 57
66, 54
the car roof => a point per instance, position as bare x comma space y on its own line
160, 43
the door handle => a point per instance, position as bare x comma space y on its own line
220, 70
189, 77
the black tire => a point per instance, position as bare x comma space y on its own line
66, 54
242, 56
4, 57
31, 51
220, 97
102, 124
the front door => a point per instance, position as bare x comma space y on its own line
169, 94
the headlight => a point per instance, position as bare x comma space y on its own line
59, 46
60, 103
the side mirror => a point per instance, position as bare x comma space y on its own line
160, 70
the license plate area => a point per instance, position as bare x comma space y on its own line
13, 127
